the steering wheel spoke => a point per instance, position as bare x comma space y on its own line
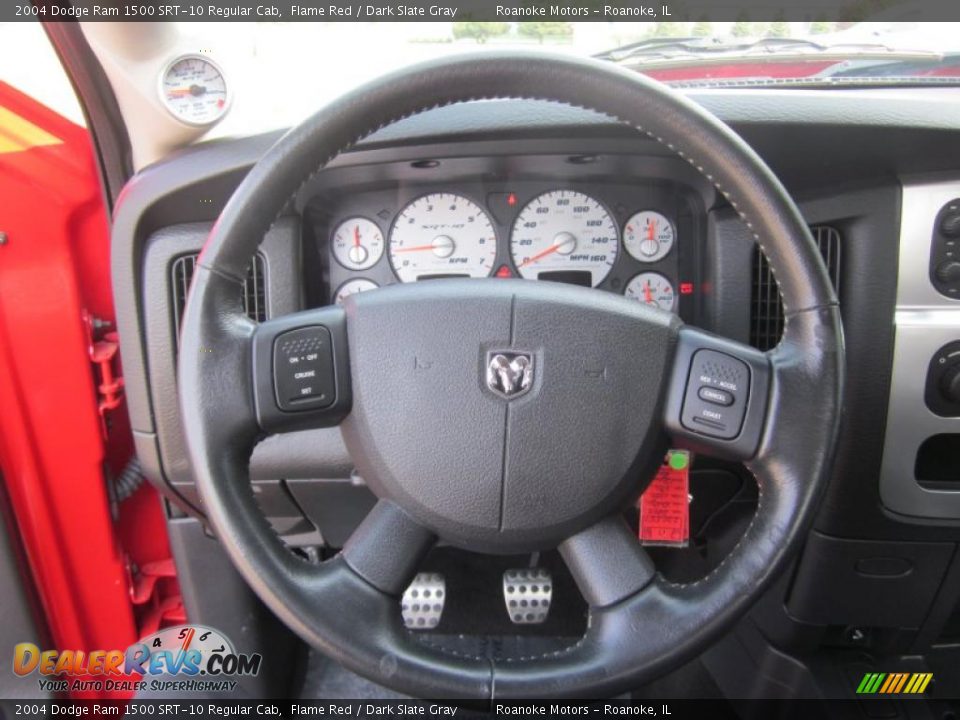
718, 395
387, 547
607, 562
301, 370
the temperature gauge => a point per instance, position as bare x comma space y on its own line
193, 89
653, 289
352, 287
648, 236
357, 243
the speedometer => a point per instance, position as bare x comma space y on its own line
566, 236
442, 235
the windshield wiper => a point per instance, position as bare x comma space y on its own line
664, 48
697, 46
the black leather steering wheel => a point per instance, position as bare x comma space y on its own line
553, 466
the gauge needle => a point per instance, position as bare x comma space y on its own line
356, 236
541, 254
651, 229
415, 248
185, 645
564, 244
648, 294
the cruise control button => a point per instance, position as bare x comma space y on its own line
715, 396
715, 400
303, 369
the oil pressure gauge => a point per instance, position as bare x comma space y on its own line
648, 236
194, 90
357, 243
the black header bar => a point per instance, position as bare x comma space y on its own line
477, 10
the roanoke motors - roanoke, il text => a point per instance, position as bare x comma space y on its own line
557, 11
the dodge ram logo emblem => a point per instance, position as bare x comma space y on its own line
509, 374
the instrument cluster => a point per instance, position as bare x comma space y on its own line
621, 239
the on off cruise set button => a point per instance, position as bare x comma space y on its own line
303, 369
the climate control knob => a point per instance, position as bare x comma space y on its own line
950, 224
948, 272
950, 384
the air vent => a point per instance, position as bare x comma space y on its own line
254, 288
766, 310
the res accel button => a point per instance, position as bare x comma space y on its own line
715, 399
303, 369
715, 396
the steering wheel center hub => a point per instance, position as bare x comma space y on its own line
504, 415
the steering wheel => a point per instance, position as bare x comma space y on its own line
507, 415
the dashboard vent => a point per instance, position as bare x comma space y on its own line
766, 310
254, 288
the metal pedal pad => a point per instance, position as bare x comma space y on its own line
422, 602
527, 593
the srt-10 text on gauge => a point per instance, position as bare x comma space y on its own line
442, 235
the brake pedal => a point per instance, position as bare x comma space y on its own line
422, 603
527, 593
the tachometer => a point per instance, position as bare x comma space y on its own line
194, 90
653, 289
442, 235
648, 236
564, 235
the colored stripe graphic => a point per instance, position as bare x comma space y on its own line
894, 683
903, 681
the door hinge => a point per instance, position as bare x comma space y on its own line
103, 354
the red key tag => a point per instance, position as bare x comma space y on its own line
665, 504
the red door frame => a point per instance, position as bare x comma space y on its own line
101, 569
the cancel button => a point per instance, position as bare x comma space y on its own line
715, 396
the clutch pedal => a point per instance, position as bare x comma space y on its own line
527, 594
422, 603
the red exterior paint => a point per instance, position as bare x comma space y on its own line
741, 69
54, 446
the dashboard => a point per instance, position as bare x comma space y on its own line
636, 233
548, 193
631, 240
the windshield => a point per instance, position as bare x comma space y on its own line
281, 72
